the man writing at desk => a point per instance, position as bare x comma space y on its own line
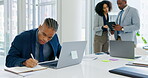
41, 43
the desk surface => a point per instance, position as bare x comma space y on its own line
90, 67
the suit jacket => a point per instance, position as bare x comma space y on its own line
24, 44
98, 23
131, 24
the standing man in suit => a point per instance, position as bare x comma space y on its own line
41, 43
128, 22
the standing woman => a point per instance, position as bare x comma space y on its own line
101, 38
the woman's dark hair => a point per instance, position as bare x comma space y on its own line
99, 7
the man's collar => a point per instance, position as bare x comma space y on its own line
125, 7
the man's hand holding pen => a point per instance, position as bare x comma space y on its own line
31, 62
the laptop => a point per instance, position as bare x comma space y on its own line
71, 54
123, 49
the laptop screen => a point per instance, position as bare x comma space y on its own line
124, 49
71, 54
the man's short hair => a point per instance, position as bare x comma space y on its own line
51, 23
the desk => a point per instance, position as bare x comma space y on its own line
88, 68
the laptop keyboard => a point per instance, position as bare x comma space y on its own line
50, 64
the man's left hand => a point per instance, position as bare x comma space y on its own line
117, 27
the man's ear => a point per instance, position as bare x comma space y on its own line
125, 2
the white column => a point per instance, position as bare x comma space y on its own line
21, 6
70, 20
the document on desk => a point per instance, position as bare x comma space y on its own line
18, 70
141, 63
138, 63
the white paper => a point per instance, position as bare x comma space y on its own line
24, 69
74, 54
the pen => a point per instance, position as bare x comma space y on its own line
95, 58
32, 55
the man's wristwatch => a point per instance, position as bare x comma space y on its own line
122, 29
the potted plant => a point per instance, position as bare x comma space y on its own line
144, 41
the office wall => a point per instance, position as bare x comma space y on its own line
70, 20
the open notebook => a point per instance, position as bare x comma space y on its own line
18, 70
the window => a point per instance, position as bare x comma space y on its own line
141, 5
2, 30
9, 18
8, 24
38, 10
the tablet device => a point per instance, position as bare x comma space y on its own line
132, 72
110, 25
